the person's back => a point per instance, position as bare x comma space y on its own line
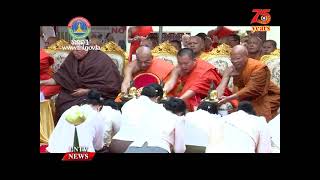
89, 132
149, 125
242, 133
112, 121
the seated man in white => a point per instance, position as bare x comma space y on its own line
274, 127
90, 132
240, 133
150, 127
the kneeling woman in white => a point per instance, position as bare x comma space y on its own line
90, 132
112, 121
240, 133
150, 126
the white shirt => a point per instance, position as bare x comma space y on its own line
147, 121
274, 127
240, 133
90, 132
198, 126
112, 122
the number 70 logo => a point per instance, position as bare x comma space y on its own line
264, 15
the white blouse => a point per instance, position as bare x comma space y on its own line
147, 121
90, 132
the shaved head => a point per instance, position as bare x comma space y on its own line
254, 44
143, 50
239, 49
196, 43
239, 57
144, 57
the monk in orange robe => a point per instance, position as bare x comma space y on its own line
136, 34
46, 73
197, 45
253, 81
254, 46
219, 33
190, 80
145, 63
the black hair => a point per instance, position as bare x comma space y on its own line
176, 106
211, 107
274, 43
94, 97
247, 107
120, 104
158, 89
203, 36
111, 103
186, 51
149, 92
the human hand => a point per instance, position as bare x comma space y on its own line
80, 92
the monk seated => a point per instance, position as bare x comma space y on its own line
153, 69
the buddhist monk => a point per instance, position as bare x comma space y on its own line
196, 43
190, 80
136, 34
46, 73
268, 47
145, 63
252, 78
254, 47
219, 33
82, 71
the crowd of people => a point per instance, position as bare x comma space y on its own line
167, 115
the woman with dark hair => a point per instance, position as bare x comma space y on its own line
211, 107
176, 106
89, 131
148, 125
247, 107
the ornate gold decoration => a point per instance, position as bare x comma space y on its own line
112, 47
221, 50
58, 46
212, 94
164, 48
274, 55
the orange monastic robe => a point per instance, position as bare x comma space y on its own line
160, 68
254, 85
46, 73
198, 80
